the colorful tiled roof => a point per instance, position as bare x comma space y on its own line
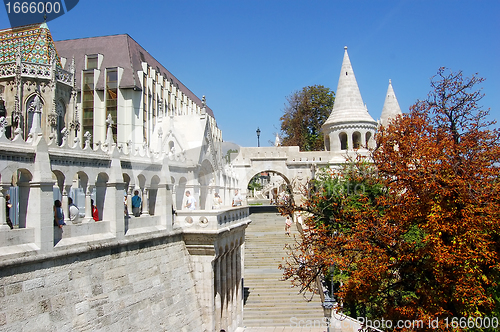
35, 41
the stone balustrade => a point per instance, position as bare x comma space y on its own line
212, 220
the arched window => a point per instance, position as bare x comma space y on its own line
343, 141
356, 140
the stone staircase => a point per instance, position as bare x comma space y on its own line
269, 301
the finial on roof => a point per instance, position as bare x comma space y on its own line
345, 48
390, 81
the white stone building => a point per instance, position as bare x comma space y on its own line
82, 82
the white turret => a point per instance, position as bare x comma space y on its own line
391, 106
349, 126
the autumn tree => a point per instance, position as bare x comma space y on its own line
424, 241
304, 114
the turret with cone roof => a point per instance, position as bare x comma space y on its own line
391, 106
349, 126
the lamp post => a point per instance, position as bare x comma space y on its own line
329, 300
258, 137
327, 310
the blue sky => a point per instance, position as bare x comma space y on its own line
246, 56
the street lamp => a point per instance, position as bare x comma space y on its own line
258, 137
329, 300
327, 310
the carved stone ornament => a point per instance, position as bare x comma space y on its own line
3, 125
52, 119
88, 137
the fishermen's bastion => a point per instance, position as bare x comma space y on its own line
96, 119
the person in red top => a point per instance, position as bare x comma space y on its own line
95, 212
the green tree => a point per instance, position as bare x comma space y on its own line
255, 183
304, 114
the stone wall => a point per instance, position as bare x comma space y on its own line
144, 286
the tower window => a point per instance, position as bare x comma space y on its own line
343, 141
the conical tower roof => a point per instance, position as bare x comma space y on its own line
391, 106
348, 106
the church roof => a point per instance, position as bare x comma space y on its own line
33, 41
391, 106
348, 106
118, 51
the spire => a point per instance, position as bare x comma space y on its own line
391, 106
348, 106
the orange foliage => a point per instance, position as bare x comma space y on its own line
427, 245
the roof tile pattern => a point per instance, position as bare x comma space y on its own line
34, 41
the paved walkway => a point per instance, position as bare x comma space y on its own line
272, 305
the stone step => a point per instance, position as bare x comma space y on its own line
270, 301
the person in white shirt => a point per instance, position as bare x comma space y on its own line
217, 201
191, 201
74, 212
237, 200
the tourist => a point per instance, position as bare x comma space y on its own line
217, 201
74, 212
95, 212
7, 211
136, 204
58, 214
190, 202
125, 207
237, 198
288, 225
299, 219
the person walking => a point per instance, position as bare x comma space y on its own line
190, 202
136, 204
288, 225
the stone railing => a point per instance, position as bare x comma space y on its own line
36, 70
210, 220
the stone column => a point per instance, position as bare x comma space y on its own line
88, 207
230, 293
130, 192
112, 210
217, 290
40, 213
239, 287
145, 202
202, 255
350, 145
65, 203
234, 289
224, 287
3, 214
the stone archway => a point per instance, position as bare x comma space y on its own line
272, 184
